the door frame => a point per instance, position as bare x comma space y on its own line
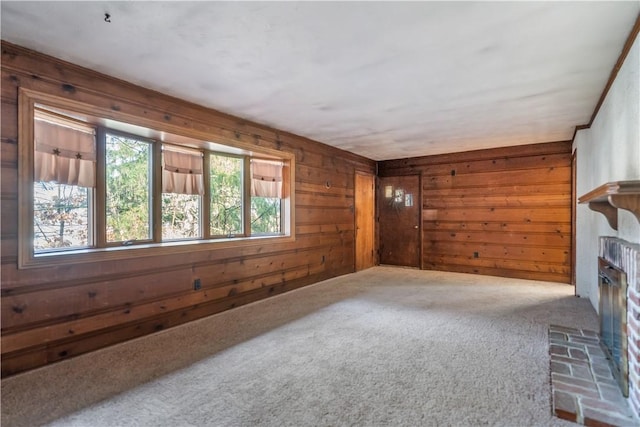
574, 208
421, 221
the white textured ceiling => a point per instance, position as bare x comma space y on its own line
382, 79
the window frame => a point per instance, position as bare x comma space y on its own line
245, 177
207, 142
203, 197
100, 202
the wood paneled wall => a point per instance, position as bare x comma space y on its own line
502, 212
53, 313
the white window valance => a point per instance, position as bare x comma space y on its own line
182, 171
65, 151
266, 178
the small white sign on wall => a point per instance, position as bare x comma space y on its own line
408, 199
388, 191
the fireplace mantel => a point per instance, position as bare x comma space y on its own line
610, 197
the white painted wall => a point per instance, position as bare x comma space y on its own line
386, 80
608, 151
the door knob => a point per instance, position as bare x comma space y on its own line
415, 226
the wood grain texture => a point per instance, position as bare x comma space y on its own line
503, 212
365, 220
511, 205
53, 313
399, 221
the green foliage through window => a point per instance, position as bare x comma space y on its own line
265, 215
226, 185
128, 170
122, 192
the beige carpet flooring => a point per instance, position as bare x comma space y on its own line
383, 347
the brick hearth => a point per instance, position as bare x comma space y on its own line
582, 386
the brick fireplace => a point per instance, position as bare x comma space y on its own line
626, 257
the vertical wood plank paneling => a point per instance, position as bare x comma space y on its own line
53, 313
504, 212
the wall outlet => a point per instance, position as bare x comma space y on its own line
197, 284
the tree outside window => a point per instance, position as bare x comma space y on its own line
74, 208
128, 192
226, 184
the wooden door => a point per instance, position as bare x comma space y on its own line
399, 215
365, 215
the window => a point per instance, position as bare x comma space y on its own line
226, 189
182, 188
102, 185
64, 175
128, 189
266, 192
